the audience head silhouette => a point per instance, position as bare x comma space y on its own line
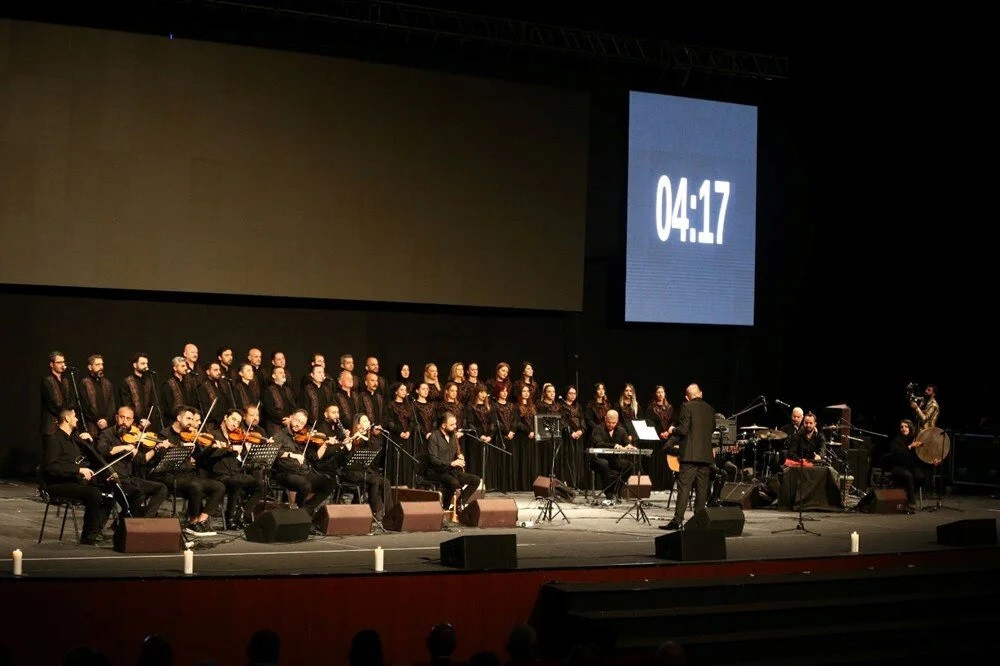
522, 642
669, 654
263, 648
441, 641
156, 651
366, 649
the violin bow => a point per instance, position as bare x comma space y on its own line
246, 444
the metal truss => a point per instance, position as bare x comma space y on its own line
487, 36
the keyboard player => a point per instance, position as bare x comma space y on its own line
611, 468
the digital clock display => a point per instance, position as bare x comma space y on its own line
691, 218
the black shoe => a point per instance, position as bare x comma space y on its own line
672, 525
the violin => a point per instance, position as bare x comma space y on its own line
138, 437
317, 438
203, 439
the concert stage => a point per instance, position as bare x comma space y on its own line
303, 589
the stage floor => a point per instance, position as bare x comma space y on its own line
591, 536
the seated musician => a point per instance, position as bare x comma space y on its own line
144, 496
66, 478
291, 470
203, 495
446, 464
808, 445
902, 462
611, 468
223, 462
348, 470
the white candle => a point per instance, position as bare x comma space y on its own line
379, 559
18, 561
855, 542
189, 561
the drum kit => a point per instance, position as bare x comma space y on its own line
761, 449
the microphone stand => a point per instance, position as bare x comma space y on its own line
500, 438
471, 433
156, 399
417, 428
800, 526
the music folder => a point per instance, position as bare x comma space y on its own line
646, 432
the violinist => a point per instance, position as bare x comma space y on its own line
246, 390
178, 390
144, 496
279, 401
446, 464
136, 390
290, 469
369, 477
221, 461
203, 495
97, 397
66, 478
317, 394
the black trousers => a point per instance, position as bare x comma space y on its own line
319, 485
144, 497
243, 491
907, 479
373, 482
692, 474
610, 473
97, 506
453, 479
203, 495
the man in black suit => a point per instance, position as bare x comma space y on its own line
695, 424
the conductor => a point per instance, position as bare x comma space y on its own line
694, 426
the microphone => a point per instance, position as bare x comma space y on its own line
71, 368
782, 403
559, 397
472, 430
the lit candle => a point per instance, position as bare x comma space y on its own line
855, 542
188, 561
18, 561
379, 559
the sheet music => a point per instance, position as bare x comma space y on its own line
646, 432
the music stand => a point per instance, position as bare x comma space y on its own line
547, 428
261, 456
364, 458
645, 433
171, 461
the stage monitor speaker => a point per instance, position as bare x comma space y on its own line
406, 494
489, 513
858, 462
414, 517
148, 535
743, 495
637, 487
883, 500
344, 519
540, 486
692, 545
729, 519
279, 526
969, 532
480, 551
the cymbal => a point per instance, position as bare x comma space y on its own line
934, 445
771, 434
840, 406
753, 427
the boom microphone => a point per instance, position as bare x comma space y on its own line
782, 403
